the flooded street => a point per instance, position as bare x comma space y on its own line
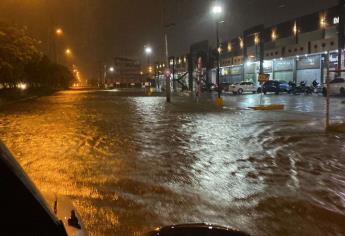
131, 163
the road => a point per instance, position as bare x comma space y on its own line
131, 162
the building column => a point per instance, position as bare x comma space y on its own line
341, 33
262, 52
245, 56
190, 72
295, 70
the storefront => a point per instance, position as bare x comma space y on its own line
226, 75
283, 69
251, 72
231, 74
309, 69
236, 74
268, 68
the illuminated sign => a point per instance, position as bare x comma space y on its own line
336, 20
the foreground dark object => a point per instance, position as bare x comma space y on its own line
23, 210
197, 230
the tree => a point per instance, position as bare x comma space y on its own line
17, 49
22, 62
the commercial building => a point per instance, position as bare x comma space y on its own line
295, 50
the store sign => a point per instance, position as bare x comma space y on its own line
283, 65
336, 20
264, 78
236, 70
311, 62
225, 71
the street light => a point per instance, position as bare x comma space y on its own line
68, 52
111, 69
56, 43
217, 11
148, 50
59, 32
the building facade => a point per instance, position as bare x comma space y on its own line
296, 50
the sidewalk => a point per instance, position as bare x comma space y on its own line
10, 96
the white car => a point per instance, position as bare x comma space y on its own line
244, 87
337, 87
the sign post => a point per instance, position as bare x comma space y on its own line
167, 74
262, 79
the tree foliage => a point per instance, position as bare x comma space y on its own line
21, 61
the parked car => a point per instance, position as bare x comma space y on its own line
225, 86
271, 86
337, 87
284, 86
207, 88
244, 87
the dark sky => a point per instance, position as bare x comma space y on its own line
100, 29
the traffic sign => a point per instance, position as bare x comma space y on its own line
264, 78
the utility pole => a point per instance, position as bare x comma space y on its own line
166, 74
341, 37
217, 10
328, 93
218, 62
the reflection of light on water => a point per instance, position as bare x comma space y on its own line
220, 147
149, 109
129, 163
111, 90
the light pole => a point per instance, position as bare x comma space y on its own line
57, 37
167, 72
148, 52
217, 11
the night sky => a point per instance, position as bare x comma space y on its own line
100, 29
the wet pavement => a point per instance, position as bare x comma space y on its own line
131, 162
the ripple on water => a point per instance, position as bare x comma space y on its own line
133, 163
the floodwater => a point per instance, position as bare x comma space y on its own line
131, 162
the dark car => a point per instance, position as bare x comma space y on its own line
284, 86
271, 86
225, 86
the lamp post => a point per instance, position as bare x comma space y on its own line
217, 10
57, 34
148, 52
167, 72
